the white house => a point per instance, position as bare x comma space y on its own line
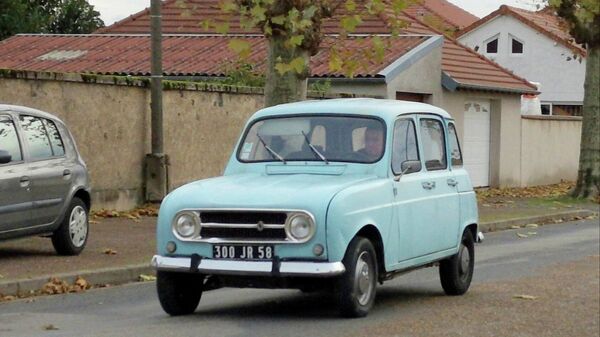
533, 45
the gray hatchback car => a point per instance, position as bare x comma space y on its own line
44, 185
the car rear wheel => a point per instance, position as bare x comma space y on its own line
355, 289
456, 272
179, 293
71, 236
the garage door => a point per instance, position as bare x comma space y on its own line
476, 142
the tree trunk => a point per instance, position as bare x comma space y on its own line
588, 179
291, 86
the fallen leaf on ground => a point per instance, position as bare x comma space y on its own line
7, 298
146, 278
109, 251
525, 297
532, 225
558, 220
531, 233
515, 227
1, 276
92, 222
521, 235
50, 327
81, 284
55, 286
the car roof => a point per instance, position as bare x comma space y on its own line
29, 111
384, 108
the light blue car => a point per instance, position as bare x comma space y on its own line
332, 195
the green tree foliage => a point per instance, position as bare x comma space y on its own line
293, 29
48, 16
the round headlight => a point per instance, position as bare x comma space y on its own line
186, 224
301, 227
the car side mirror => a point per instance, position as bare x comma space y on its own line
5, 157
408, 166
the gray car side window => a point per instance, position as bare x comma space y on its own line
9, 140
36, 137
405, 146
58, 147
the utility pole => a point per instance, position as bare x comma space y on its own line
156, 173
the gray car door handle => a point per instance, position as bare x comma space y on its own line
452, 182
66, 173
24, 181
428, 185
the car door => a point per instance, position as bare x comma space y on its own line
440, 185
50, 177
15, 192
410, 212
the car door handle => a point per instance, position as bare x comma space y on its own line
24, 181
452, 182
66, 173
429, 185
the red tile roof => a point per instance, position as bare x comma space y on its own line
544, 21
452, 16
473, 70
183, 55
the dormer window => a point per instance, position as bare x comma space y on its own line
491, 46
516, 46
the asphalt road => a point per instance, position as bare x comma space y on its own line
503, 261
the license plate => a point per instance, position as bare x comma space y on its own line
243, 252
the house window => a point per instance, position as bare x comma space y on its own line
491, 47
546, 109
516, 46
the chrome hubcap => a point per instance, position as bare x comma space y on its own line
78, 226
465, 260
364, 284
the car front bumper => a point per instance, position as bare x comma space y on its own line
235, 267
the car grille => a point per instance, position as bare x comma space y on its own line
243, 225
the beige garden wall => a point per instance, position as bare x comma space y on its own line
550, 149
111, 126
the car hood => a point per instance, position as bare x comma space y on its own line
253, 190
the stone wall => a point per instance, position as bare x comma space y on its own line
110, 121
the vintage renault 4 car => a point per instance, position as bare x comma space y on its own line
332, 195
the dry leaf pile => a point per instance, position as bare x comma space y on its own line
58, 286
135, 214
545, 191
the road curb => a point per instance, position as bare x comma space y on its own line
112, 276
540, 220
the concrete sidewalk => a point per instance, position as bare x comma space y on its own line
119, 249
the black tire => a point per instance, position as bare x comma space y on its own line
355, 290
456, 272
179, 293
70, 238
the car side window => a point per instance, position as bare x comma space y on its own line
36, 137
9, 141
405, 144
58, 148
454, 146
434, 146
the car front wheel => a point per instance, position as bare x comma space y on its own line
456, 272
72, 234
355, 289
179, 293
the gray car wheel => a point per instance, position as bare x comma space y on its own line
71, 236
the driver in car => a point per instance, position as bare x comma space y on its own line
374, 139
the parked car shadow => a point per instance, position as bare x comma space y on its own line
315, 305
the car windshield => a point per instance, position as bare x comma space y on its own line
314, 138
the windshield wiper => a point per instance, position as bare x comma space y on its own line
314, 149
271, 151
